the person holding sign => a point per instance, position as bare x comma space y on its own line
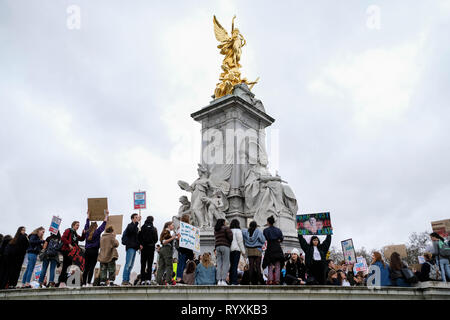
165, 264
93, 233
316, 256
70, 240
184, 254
108, 256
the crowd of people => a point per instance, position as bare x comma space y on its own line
248, 256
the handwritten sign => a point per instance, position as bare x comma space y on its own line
37, 271
116, 222
360, 265
54, 225
441, 227
349, 251
140, 200
190, 237
314, 224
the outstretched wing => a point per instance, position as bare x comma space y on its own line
219, 174
184, 185
219, 31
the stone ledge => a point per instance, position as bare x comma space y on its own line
424, 291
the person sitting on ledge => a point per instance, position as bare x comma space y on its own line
205, 273
332, 278
295, 269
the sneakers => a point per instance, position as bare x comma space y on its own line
62, 285
148, 283
102, 284
126, 283
142, 283
222, 283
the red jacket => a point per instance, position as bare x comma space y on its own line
67, 239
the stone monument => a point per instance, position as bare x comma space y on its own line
234, 182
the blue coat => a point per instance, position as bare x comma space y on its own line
385, 274
205, 276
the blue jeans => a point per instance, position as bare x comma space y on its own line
32, 257
181, 264
129, 262
444, 267
45, 264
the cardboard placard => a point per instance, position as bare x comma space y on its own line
400, 249
116, 222
441, 227
348, 251
314, 224
97, 207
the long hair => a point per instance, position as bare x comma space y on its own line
91, 230
235, 224
186, 218
18, 233
377, 257
165, 231
219, 224
437, 235
36, 231
6, 240
396, 262
341, 277
312, 239
331, 273
190, 267
252, 228
206, 260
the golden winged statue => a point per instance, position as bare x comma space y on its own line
230, 47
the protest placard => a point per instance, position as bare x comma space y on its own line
37, 271
97, 207
116, 222
314, 224
348, 251
421, 259
140, 200
54, 225
400, 249
441, 227
190, 237
360, 265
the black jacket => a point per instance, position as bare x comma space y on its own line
18, 249
309, 249
132, 231
35, 244
296, 270
148, 236
424, 273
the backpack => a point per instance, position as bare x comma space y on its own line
409, 276
53, 248
124, 238
434, 272
445, 251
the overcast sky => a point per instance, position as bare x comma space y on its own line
361, 107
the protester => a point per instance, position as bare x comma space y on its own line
441, 259
295, 269
147, 237
165, 262
254, 240
15, 253
223, 238
184, 254
424, 273
377, 260
348, 270
332, 279
4, 262
236, 249
131, 243
108, 256
398, 279
342, 279
315, 257
273, 257
330, 266
189, 273
70, 239
35, 246
50, 257
93, 233
359, 279
205, 273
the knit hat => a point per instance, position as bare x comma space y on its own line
295, 251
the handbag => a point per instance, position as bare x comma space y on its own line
409, 276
